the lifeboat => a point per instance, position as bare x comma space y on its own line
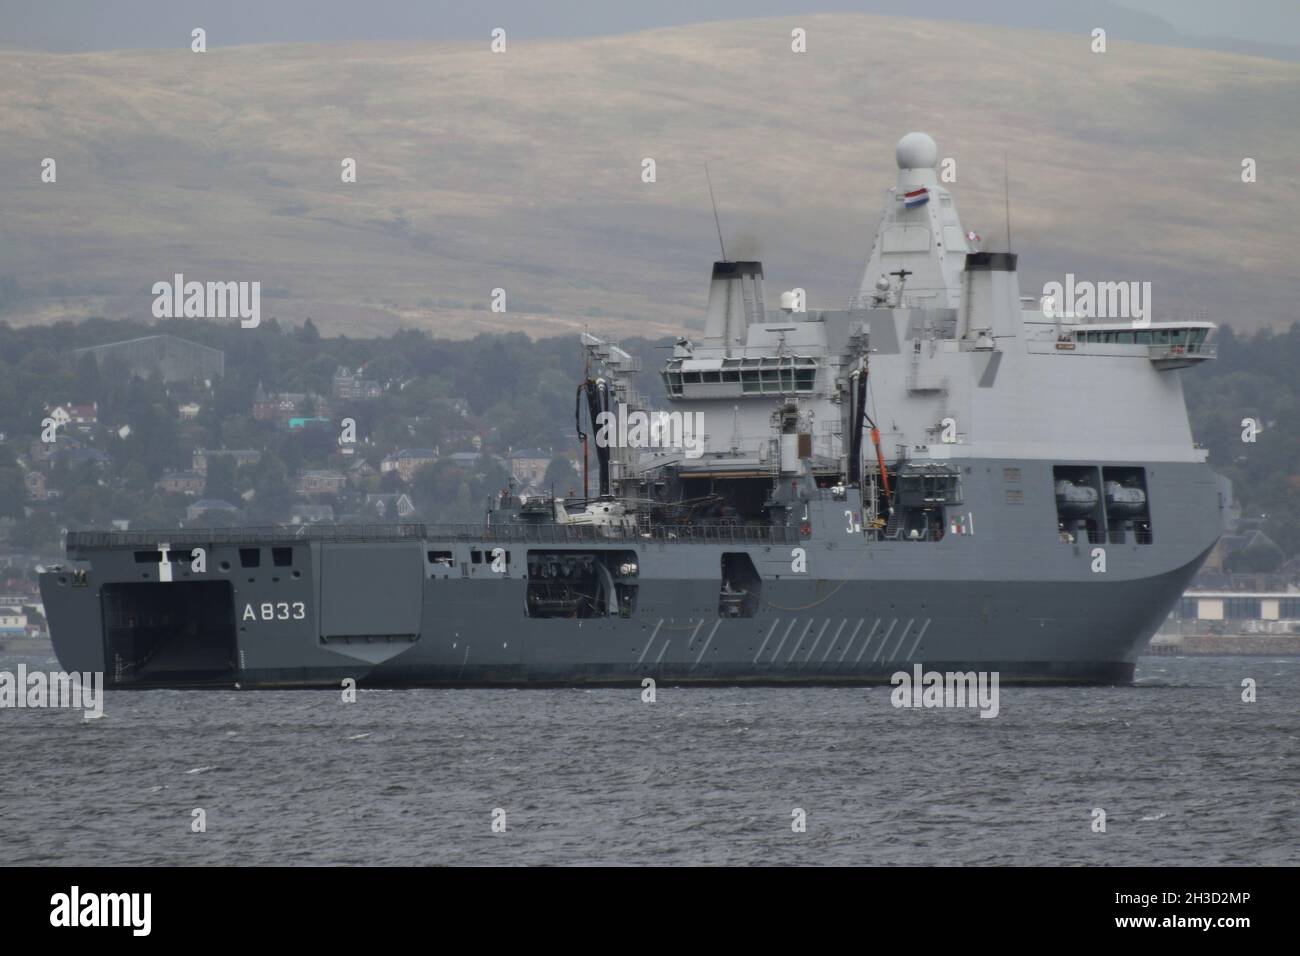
1075, 500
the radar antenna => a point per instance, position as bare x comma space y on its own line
1006, 192
716, 222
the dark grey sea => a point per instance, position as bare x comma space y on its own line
1184, 770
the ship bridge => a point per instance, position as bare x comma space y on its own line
736, 377
1168, 344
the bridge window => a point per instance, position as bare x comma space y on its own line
765, 376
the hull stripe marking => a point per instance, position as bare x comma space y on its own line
784, 637
667, 641
707, 641
884, 640
916, 643
694, 634
820, 634
795, 649
871, 637
838, 631
853, 637
762, 647
901, 638
651, 641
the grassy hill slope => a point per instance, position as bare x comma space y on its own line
522, 170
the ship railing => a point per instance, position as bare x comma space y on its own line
540, 533
178, 537
587, 534
1202, 351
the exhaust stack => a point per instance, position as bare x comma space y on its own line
735, 300
991, 298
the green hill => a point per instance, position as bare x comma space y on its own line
522, 170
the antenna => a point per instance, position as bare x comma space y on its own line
1006, 192
709, 179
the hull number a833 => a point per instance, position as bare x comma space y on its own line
281, 611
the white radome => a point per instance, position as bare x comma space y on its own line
916, 151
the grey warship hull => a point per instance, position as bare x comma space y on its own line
1031, 503
374, 604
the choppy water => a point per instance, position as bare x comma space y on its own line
1186, 772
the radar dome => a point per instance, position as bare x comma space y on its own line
916, 151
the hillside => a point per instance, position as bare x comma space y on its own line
522, 170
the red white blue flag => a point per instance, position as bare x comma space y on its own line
917, 197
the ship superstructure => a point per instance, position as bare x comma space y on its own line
942, 472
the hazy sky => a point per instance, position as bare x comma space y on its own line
1268, 21
73, 25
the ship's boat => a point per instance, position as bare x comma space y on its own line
1075, 500
1124, 502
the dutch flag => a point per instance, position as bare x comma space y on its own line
917, 197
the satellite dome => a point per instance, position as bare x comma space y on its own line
916, 151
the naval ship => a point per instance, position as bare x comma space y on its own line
942, 473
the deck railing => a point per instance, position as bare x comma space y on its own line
259, 535
571, 534
527, 533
